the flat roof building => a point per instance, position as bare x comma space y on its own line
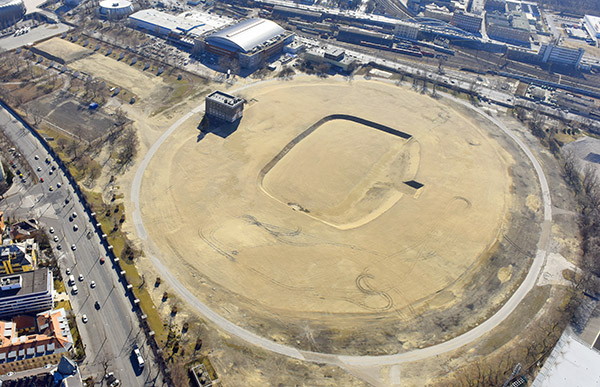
18, 257
592, 26
336, 58
563, 56
467, 22
224, 106
165, 24
26, 292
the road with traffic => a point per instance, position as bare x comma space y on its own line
113, 328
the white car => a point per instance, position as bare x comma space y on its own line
58, 185
74, 215
80, 277
39, 169
75, 227
36, 157
55, 238
51, 230
93, 284
73, 247
68, 271
84, 319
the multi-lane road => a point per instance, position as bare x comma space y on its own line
113, 329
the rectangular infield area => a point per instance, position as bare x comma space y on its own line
343, 172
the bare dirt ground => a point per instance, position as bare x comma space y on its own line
142, 84
261, 257
64, 49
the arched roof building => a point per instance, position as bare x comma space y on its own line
251, 41
115, 9
246, 35
11, 11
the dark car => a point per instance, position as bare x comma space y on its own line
97, 305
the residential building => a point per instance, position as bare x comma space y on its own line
18, 257
467, 22
26, 292
224, 106
26, 337
24, 230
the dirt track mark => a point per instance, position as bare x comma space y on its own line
366, 289
213, 245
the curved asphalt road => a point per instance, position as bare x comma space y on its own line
364, 361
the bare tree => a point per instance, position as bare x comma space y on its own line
129, 146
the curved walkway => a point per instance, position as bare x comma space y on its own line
366, 361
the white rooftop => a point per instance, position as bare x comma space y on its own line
571, 363
115, 4
188, 22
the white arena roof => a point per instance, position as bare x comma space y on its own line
246, 35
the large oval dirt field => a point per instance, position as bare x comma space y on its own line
333, 207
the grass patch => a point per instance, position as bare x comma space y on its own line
525, 312
66, 305
59, 286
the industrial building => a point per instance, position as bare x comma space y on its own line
495, 6
26, 292
281, 11
224, 106
562, 56
467, 22
406, 30
114, 9
11, 11
335, 57
436, 12
360, 36
164, 24
592, 26
47, 333
251, 42
499, 27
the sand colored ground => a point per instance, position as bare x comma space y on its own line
281, 243
143, 84
64, 49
